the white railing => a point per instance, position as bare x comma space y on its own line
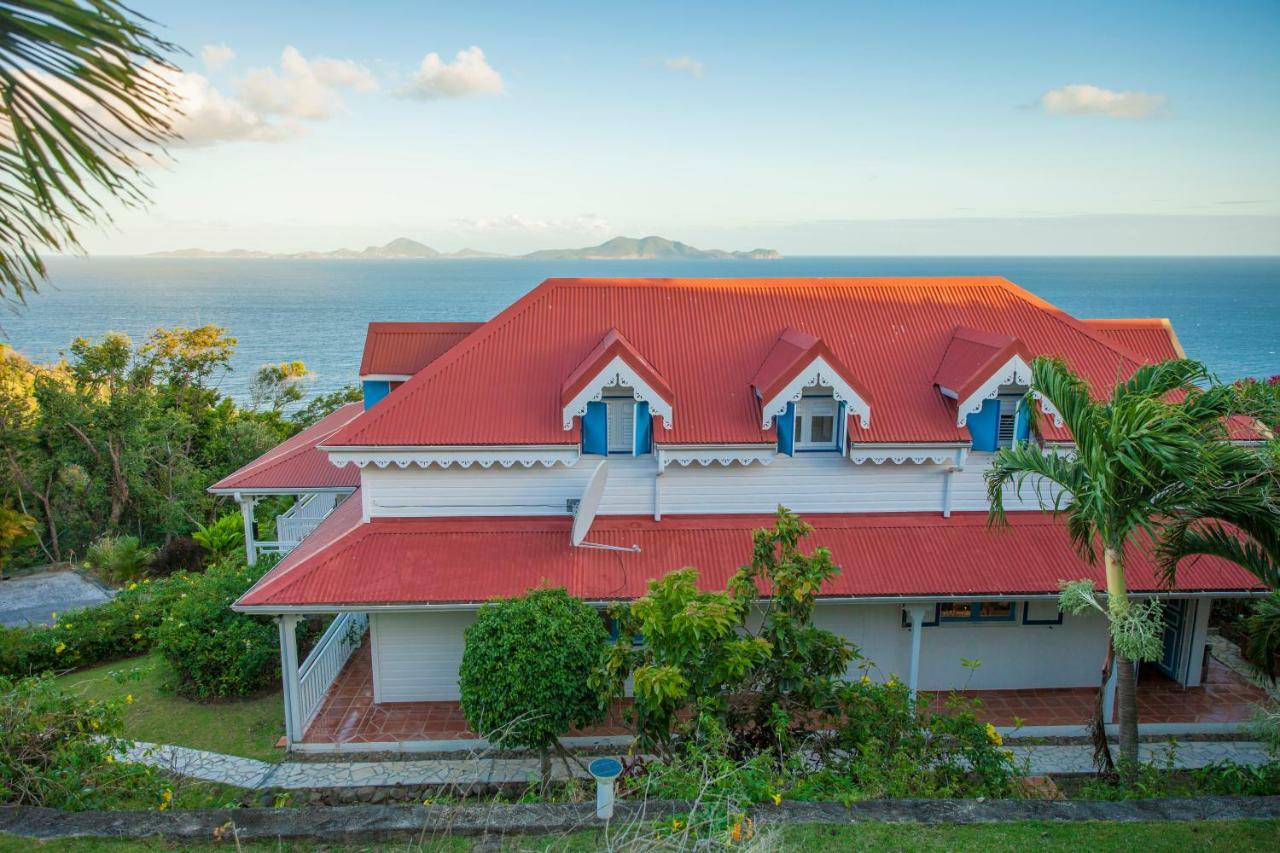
303, 517
317, 672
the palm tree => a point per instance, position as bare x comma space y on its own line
85, 101
1134, 452
1238, 519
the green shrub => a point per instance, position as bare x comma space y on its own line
215, 651
224, 539
525, 670
119, 559
60, 751
121, 627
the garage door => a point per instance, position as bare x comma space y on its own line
416, 655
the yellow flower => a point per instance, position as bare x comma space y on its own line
736, 833
146, 581
137, 616
128, 698
866, 679
777, 799
893, 681
60, 648
427, 801
133, 586
676, 823
93, 724
67, 625
137, 635
993, 735
111, 759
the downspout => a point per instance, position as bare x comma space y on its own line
948, 475
917, 627
657, 487
246, 513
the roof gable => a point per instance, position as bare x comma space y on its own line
502, 384
976, 364
614, 361
799, 360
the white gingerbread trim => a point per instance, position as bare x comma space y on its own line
1014, 372
898, 454
617, 372
819, 372
706, 455
463, 457
1047, 408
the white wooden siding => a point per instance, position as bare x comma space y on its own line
416, 656
807, 482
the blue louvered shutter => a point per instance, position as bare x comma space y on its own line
984, 425
643, 429
1022, 423
595, 429
787, 430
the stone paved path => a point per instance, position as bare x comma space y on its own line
296, 775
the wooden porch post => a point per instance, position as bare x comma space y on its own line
289, 672
247, 503
917, 628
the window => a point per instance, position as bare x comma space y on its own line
1041, 613
976, 611
1006, 428
622, 424
816, 424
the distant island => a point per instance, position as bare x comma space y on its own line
617, 249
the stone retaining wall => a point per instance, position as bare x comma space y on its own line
351, 823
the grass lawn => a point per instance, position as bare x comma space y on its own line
249, 728
1096, 837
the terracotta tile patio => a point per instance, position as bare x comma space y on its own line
349, 715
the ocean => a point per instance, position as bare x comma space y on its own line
1226, 310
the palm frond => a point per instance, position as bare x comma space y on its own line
1160, 378
85, 101
1185, 541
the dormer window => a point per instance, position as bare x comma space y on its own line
816, 423
617, 424
1007, 427
1002, 421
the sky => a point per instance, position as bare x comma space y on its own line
812, 128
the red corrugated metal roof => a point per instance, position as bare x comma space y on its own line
708, 338
452, 560
1153, 339
295, 463
972, 357
612, 345
791, 354
402, 349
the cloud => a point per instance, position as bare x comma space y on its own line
304, 88
686, 64
216, 56
1083, 99
469, 74
208, 117
586, 223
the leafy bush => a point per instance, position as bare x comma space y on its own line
692, 654
118, 558
60, 751
1160, 777
525, 670
215, 651
17, 529
181, 553
224, 539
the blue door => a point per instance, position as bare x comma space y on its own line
1175, 619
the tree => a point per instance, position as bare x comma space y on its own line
1237, 518
16, 530
1135, 452
693, 651
526, 665
85, 100
279, 385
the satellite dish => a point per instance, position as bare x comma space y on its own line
590, 503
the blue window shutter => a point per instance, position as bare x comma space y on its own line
374, 391
842, 426
644, 430
1022, 424
787, 430
983, 425
595, 429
